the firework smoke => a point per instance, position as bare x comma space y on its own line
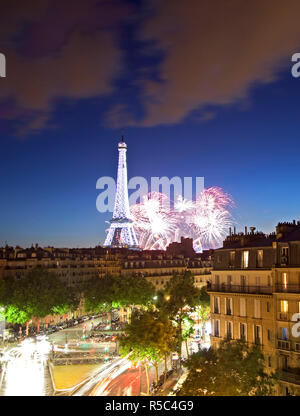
206, 220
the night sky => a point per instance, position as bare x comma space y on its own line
201, 88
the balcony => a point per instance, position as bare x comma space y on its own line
283, 344
290, 375
240, 289
291, 288
283, 316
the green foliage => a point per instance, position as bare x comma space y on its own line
233, 369
38, 294
110, 292
179, 296
149, 336
187, 327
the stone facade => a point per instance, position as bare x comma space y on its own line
254, 292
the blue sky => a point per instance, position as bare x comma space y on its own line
249, 147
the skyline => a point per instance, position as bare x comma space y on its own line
229, 113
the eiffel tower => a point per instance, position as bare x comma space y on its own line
121, 232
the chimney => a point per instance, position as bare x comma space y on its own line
234, 230
230, 231
245, 230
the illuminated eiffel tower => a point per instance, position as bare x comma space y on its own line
121, 232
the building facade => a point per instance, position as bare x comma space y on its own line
255, 293
77, 266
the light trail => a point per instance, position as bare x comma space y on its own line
24, 368
97, 384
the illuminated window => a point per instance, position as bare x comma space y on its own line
284, 333
284, 280
284, 306
245, 259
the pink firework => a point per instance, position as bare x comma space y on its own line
206, 220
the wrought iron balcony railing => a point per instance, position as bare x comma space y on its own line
288, 288
240, 288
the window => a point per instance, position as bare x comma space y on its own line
216, 305
257, 334
229, 329
216, 328
228, 306
260, 254
217, 280
268, 306
229, 281
243, 331
242, 307
257, 281
245, 259
284, 251
284, 306
243, 283
285, 363
232, 258
269, 335
269, 280
284, 333
270, 361
257, 308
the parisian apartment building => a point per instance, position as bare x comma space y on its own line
78, 265
255, 296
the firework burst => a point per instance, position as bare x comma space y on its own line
206, 220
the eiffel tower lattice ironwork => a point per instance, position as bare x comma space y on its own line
121, 232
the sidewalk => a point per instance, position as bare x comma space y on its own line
175, 380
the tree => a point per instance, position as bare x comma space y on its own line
38, 294
203, 308
233, 369
111, 291
179, 295
148, 338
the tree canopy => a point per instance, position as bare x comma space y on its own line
37, 294
112, 291
234, 369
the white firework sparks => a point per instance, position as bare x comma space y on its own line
206, 220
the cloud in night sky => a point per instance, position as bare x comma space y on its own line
56, 51
215, 51
212, 53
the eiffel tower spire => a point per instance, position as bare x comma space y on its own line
121, 232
